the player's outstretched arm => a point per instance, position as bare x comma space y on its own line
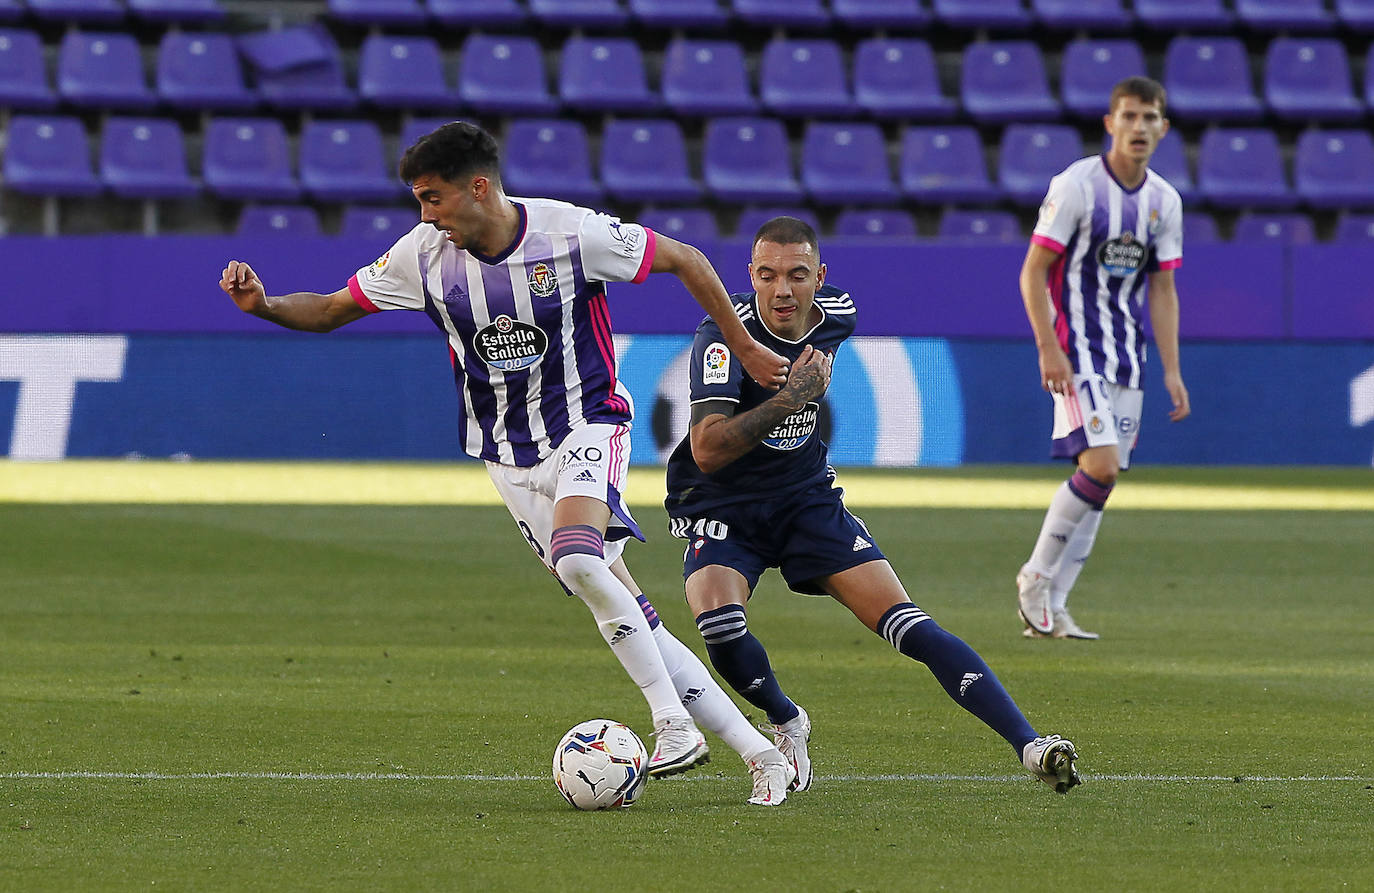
696, 273
306, 311
1163, 298
1056, 372
718, 439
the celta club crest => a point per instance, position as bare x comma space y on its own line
543, 280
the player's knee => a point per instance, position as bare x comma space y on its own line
1102, 469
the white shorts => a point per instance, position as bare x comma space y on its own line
1097, 413
591, 461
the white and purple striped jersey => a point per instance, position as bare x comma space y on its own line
529, 331
1108, 239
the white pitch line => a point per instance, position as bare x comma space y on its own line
408, 776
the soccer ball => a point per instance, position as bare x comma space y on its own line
600, 764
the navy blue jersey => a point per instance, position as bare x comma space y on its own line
793, 456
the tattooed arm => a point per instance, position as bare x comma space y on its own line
719, 439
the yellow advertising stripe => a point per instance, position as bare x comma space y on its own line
305, 483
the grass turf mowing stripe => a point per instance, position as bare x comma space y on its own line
1002, 487
408, 776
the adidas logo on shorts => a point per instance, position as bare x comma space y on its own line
585, 477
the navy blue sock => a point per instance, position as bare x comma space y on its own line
965, 676
740, 660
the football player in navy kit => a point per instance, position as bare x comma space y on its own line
750, 488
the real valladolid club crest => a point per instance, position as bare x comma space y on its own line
543, 280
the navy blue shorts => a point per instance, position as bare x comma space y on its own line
805, 535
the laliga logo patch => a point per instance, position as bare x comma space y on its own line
378, 266
1047, 212
509, 344
628, 237
543, 280
1153, 225
794, 430
1095, 425
715, 364
1121, 256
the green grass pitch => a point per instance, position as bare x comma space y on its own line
366, 697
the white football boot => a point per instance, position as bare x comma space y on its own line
773, 777
790, 738
1066, 628
1052, 760
1033, 597
680, 746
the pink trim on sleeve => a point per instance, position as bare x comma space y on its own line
1049, 243
1171, 264
650, 246
357, 291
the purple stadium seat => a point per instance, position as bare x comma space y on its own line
750, 219
604, 74
298, 69
844, 164
804, 77
201, 70
11, 10
177, 11
1285, 15
897, 78
249, 159
1033, 153
49, 155
1183, 15
1208, 78
383, 224
887, 223
1335, 168
979, 226
943, 165
706, 77
1355, 228
580, 13
646, 161
1088, 15
690, 225
1006, 81
97, 69
695, 14
144, 158
801, 15
1242, 167
1002, 15
479, 13
279, 220
403, 72
871, 15
382, 13
504, 75
343, 161
23, 73
1091, 68
94, 12
1356, 15
550, 157
1308, 79
1199, 228
1284, 229
748, 159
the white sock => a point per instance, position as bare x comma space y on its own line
1076, 553
624, 628
1065, 512
708, 703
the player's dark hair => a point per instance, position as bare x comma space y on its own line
454, 152
1145, 89
787, 231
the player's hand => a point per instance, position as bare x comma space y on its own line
765, 367
240, 283
810, 375
1173, 383
1056, 373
